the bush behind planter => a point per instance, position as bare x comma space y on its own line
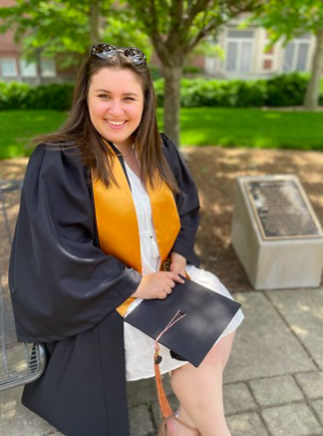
279, 91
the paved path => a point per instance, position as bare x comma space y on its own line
273, 384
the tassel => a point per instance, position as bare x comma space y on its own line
164, 405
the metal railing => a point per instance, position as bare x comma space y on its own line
20, 362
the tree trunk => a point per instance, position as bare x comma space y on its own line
172, 102
38, 66
94, 22
311, 100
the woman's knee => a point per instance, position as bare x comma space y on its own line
219, 354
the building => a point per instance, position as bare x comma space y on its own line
246, 58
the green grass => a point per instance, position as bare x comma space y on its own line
18, 127
252, 128
199, 126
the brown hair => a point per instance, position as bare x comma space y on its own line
94, 152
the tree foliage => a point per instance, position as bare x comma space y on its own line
290, 18
67, 27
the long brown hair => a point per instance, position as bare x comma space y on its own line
94, 153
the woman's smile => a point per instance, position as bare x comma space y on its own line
116, 125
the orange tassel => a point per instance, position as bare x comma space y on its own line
164, 405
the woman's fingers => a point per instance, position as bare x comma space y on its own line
174, 276
178, 267
157, 285
168, 285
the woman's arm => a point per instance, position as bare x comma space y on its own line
61, 282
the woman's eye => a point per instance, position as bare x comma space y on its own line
106, 96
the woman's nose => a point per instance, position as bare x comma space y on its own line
115, 108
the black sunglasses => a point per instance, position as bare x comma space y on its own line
106, 51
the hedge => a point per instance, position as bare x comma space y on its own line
279, 91
57, 96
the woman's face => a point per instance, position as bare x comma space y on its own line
115, 102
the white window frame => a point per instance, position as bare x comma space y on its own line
52, 72
305, 39
14, 63
28, 69
239, 40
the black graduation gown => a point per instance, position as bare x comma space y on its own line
65, 290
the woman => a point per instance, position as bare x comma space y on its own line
106, 201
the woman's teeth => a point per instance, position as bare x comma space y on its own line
116, 123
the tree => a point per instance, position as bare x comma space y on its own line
175, 28
290, 18
67, 27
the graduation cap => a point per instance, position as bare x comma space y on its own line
188, 322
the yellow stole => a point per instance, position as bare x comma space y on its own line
117, 220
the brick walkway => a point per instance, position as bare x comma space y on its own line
273, 384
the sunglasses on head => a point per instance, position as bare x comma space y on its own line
106, 51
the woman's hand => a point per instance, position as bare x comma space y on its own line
157, 285
178, 263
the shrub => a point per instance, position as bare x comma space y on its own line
54, 96
283, 90
15, 95
286, 90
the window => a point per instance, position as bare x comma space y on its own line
296, 54
8, 67
302, 57
48, 68
240, 34
239, 51
267, 64
28, 69
232, 56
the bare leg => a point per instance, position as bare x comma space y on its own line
199, 391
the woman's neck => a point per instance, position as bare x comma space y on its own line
125, 146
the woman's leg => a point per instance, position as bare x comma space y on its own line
199, 391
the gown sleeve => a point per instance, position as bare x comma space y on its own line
187, 203
61, 282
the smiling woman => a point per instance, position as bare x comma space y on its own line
116, 111
107, 202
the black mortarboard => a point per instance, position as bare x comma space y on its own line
207, 314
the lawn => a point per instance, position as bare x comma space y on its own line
18, 127
252, 128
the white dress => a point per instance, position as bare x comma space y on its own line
139, 348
